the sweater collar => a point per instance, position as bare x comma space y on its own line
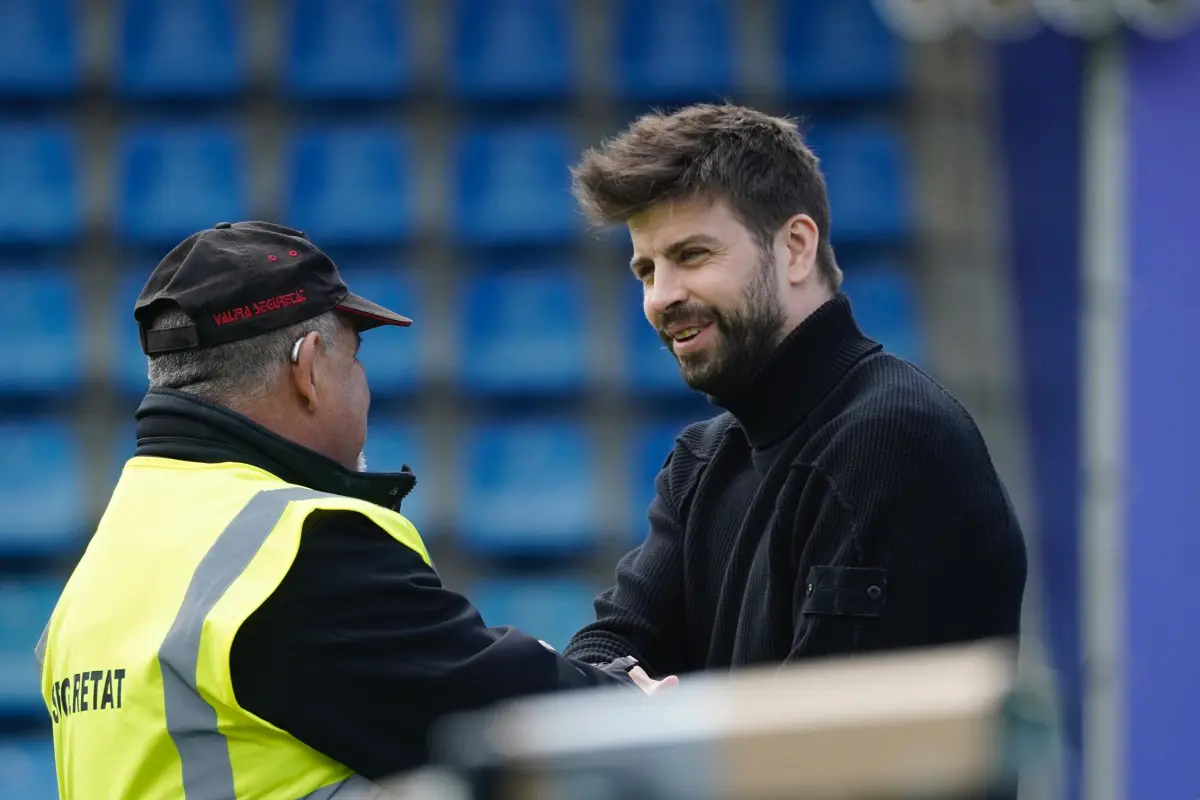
182, 426
805, 367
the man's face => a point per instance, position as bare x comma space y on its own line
710, 291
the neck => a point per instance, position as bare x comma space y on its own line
803, 369
802, 307
274, 414
177, 425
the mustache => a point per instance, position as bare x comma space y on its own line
696, 314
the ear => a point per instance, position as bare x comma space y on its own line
802, 239
304, 370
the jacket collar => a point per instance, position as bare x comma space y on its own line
801, 372
185, 427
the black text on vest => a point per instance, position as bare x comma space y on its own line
94, 690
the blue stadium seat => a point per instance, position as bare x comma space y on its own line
43, 314
513, 50
178, 179
42, 488
390, 445
864, 167
514, 186
27, 769
650, 368
350, 185
649, 445
391, 356
41, 201
529, 489
885, 305
184, 48
550, 608
347, 49
25, 608
525, 332
127, 370
838, 49
39, 48
675, 50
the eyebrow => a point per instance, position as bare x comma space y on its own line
703, 239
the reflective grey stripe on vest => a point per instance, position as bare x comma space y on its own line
191, 721
39, 649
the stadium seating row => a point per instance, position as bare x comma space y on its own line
499, 49
354, 184
529, 486
525, 330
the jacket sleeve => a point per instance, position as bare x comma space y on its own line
642, 615
907, 549
361, 649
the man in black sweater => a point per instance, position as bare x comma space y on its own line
844, 502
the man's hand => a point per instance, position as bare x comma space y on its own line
648, 684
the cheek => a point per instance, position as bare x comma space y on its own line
361, 392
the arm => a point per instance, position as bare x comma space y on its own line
361, 649
910, 544
642, 615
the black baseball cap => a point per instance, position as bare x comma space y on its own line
243, 279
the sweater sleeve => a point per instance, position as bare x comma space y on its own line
921, 531
361, 649
642, 615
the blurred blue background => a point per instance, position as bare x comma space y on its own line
425, 144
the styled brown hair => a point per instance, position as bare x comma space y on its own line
756, 163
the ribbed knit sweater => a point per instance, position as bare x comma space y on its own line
844, 502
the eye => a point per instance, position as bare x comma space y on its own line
692, 255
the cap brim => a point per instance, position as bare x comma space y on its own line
369, 315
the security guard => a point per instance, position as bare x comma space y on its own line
254, 618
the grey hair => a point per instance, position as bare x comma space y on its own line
237, 373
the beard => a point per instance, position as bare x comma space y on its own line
746, 337
361, 462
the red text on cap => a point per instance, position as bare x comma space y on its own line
251, 310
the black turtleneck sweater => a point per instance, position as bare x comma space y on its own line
844, 503
360, 648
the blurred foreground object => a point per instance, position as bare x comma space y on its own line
938, 723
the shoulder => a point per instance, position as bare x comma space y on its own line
361, 517
889, 407
691, 452
701, 440
347, 571
349, 530
336, 537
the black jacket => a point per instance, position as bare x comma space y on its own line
845, 503
361, 648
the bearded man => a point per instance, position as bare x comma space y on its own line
844, 502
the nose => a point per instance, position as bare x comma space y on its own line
666, 290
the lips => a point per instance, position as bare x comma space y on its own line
683, 324
683, 334
689, 340
682, 329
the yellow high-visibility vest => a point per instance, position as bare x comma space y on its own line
135, 659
